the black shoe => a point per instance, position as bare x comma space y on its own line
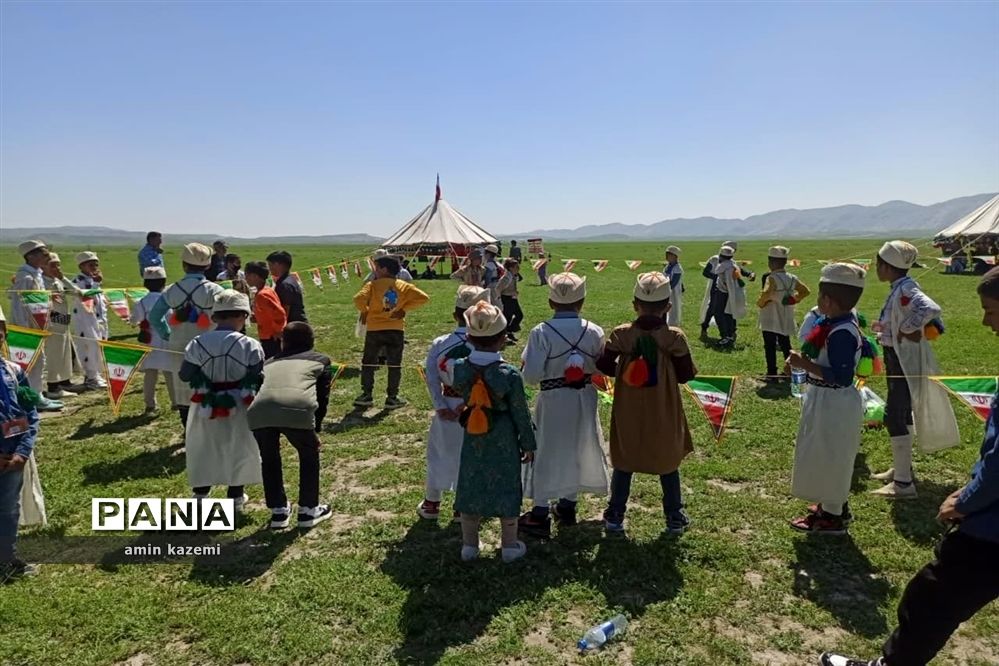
677, 523
564, 516
535, 526
314, 516
15, 569
395, 402
364, 400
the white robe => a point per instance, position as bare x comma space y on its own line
675, 316
776, 317
90, 324
933, 416
445, 437
828, 437
203, 295
32, 497
155, 360
729, 284
222, 451
570, 456
59, 345
26, 279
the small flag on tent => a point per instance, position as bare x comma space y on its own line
317, 278
24, 345
975, 392
433, 261
136, 293
331, 274
568, 264
794, 263
714, 397
118, 302
357, 268
536, 266
37, 304
988, 260
599, 264
863, 263
437, 193
120, 363
633, 264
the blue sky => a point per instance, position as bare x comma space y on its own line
256, 119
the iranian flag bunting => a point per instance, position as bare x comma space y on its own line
975, 392
568, 264
714, 397
357, 268
599, 264
536, 266
317, 278
863, 263
118, 301
433, 261
120, 364
37, 303
633, 264
136, 293
331, 274
24, 345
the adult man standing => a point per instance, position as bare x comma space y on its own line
515, 252
233, 268
221, 248
152, 253
29, 277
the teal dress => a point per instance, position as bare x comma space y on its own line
489, 480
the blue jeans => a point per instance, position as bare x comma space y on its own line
10, 511
621, 490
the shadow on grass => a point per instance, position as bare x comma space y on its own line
118, 426
245, 560
355, 419
915, 519
461, 599
349, 373
831, 572
861, 474
774, 391
162, 462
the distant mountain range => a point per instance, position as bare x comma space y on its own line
101, 236
894, 218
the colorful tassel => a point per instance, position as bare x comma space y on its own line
477, 420
204, 321
198, 398
636, 373
573, 372
248, 399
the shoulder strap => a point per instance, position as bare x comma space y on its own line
572, 346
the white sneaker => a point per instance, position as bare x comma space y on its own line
515, 553
469, 553
239, 502
95, 383
889, 475
896, 491
311, 517
59, 394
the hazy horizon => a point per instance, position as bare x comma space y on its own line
256, 119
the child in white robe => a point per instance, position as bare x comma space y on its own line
730, 296
156, 362
445, 435
90, 319
674, 273
561, 357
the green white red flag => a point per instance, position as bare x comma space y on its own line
136, 293
975, 392
331, 274
599, 264
714, 397
536, 266
633, 264
118, 302
568, 264
317, 278
120, 364
24, 345
36, 302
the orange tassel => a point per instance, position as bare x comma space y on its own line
204, 321
478, 402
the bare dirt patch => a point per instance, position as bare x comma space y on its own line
727, 486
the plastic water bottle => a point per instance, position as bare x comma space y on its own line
799, 378
602, 633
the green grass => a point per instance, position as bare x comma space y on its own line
374, 585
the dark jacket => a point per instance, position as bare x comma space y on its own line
11, 377
979, 502
290, 293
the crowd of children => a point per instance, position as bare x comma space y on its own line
237, 397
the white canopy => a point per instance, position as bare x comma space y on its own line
983, 220
440, 224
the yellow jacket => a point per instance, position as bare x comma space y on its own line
380, 298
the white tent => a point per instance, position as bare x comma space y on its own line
440, 225
983, 220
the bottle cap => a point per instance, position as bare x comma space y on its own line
582, 645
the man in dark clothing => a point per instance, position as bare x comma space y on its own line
515, 252
218, 260
289, 291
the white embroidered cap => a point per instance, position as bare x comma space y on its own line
652, 287
778, 252
30, 246
491, 249
469, 295
726, 251
899, 254
851, 275
196, 254
230, 300
483, 320
565, 288
732, 244
673, 249
379, 253
84, 257
54, 258
154, 273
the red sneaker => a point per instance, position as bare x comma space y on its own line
820, 523
429, 510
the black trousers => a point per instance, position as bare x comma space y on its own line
898, 404
771, 341
234, 492
271, 347
712, 297
514, 315
306, 442
962, 579
387, 344
725, 321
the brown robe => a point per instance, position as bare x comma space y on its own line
649, 431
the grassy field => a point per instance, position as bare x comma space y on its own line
376, 585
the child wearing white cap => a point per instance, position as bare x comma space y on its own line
730, 296
90, 318
154, 279
29, 277
445, 434
498, 433
829, 431
674, 273
184, 312
223, 370
909, 363
59, 345
711, 288
781, 291
560, 356
649, 433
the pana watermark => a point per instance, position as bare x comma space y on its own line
153, 514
